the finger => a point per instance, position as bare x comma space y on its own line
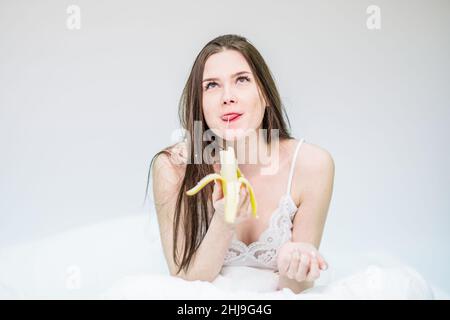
314, 271
242, 196
244, 201
246, 206
293, 265
239, 205
217, 191
283, 261
303, 268
219, 206
283, 265
218, 200
323, 265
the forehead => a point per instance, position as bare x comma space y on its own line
225, 63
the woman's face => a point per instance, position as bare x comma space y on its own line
230, 90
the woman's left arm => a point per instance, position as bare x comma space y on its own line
309, 220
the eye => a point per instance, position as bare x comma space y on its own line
243, 78
210, 83
239, 79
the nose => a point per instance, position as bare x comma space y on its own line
228, 96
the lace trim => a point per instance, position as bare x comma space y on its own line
263, 252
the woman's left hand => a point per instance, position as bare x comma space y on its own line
300, 261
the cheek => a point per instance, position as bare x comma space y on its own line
252, 99
255, 105
210, 102
209, 110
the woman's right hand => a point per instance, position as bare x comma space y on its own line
243, 209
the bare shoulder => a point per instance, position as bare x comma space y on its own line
314, 157
166, 168
168, 172
175, 156
179, 153
314, 165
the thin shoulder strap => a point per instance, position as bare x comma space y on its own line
291, 172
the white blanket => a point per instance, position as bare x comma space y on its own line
123, 259
373, 282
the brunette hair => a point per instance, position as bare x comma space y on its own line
196, 214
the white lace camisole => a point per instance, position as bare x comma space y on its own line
263, 252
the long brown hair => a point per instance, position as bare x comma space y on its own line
195, 216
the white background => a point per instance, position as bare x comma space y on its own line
82, 112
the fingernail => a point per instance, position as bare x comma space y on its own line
324, 267
313, 254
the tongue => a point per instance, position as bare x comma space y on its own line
231, 116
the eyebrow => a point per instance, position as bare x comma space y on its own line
233, 76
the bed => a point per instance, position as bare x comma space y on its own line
122, 259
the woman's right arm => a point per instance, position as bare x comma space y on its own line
208, 259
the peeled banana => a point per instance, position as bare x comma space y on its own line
231, 178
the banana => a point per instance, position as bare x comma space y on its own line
231, 178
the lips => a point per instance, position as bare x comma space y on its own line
231, 116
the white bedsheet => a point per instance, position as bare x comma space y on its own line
122, 259
373, 282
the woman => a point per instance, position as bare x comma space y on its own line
231, 92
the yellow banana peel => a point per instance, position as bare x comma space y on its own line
231, 178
